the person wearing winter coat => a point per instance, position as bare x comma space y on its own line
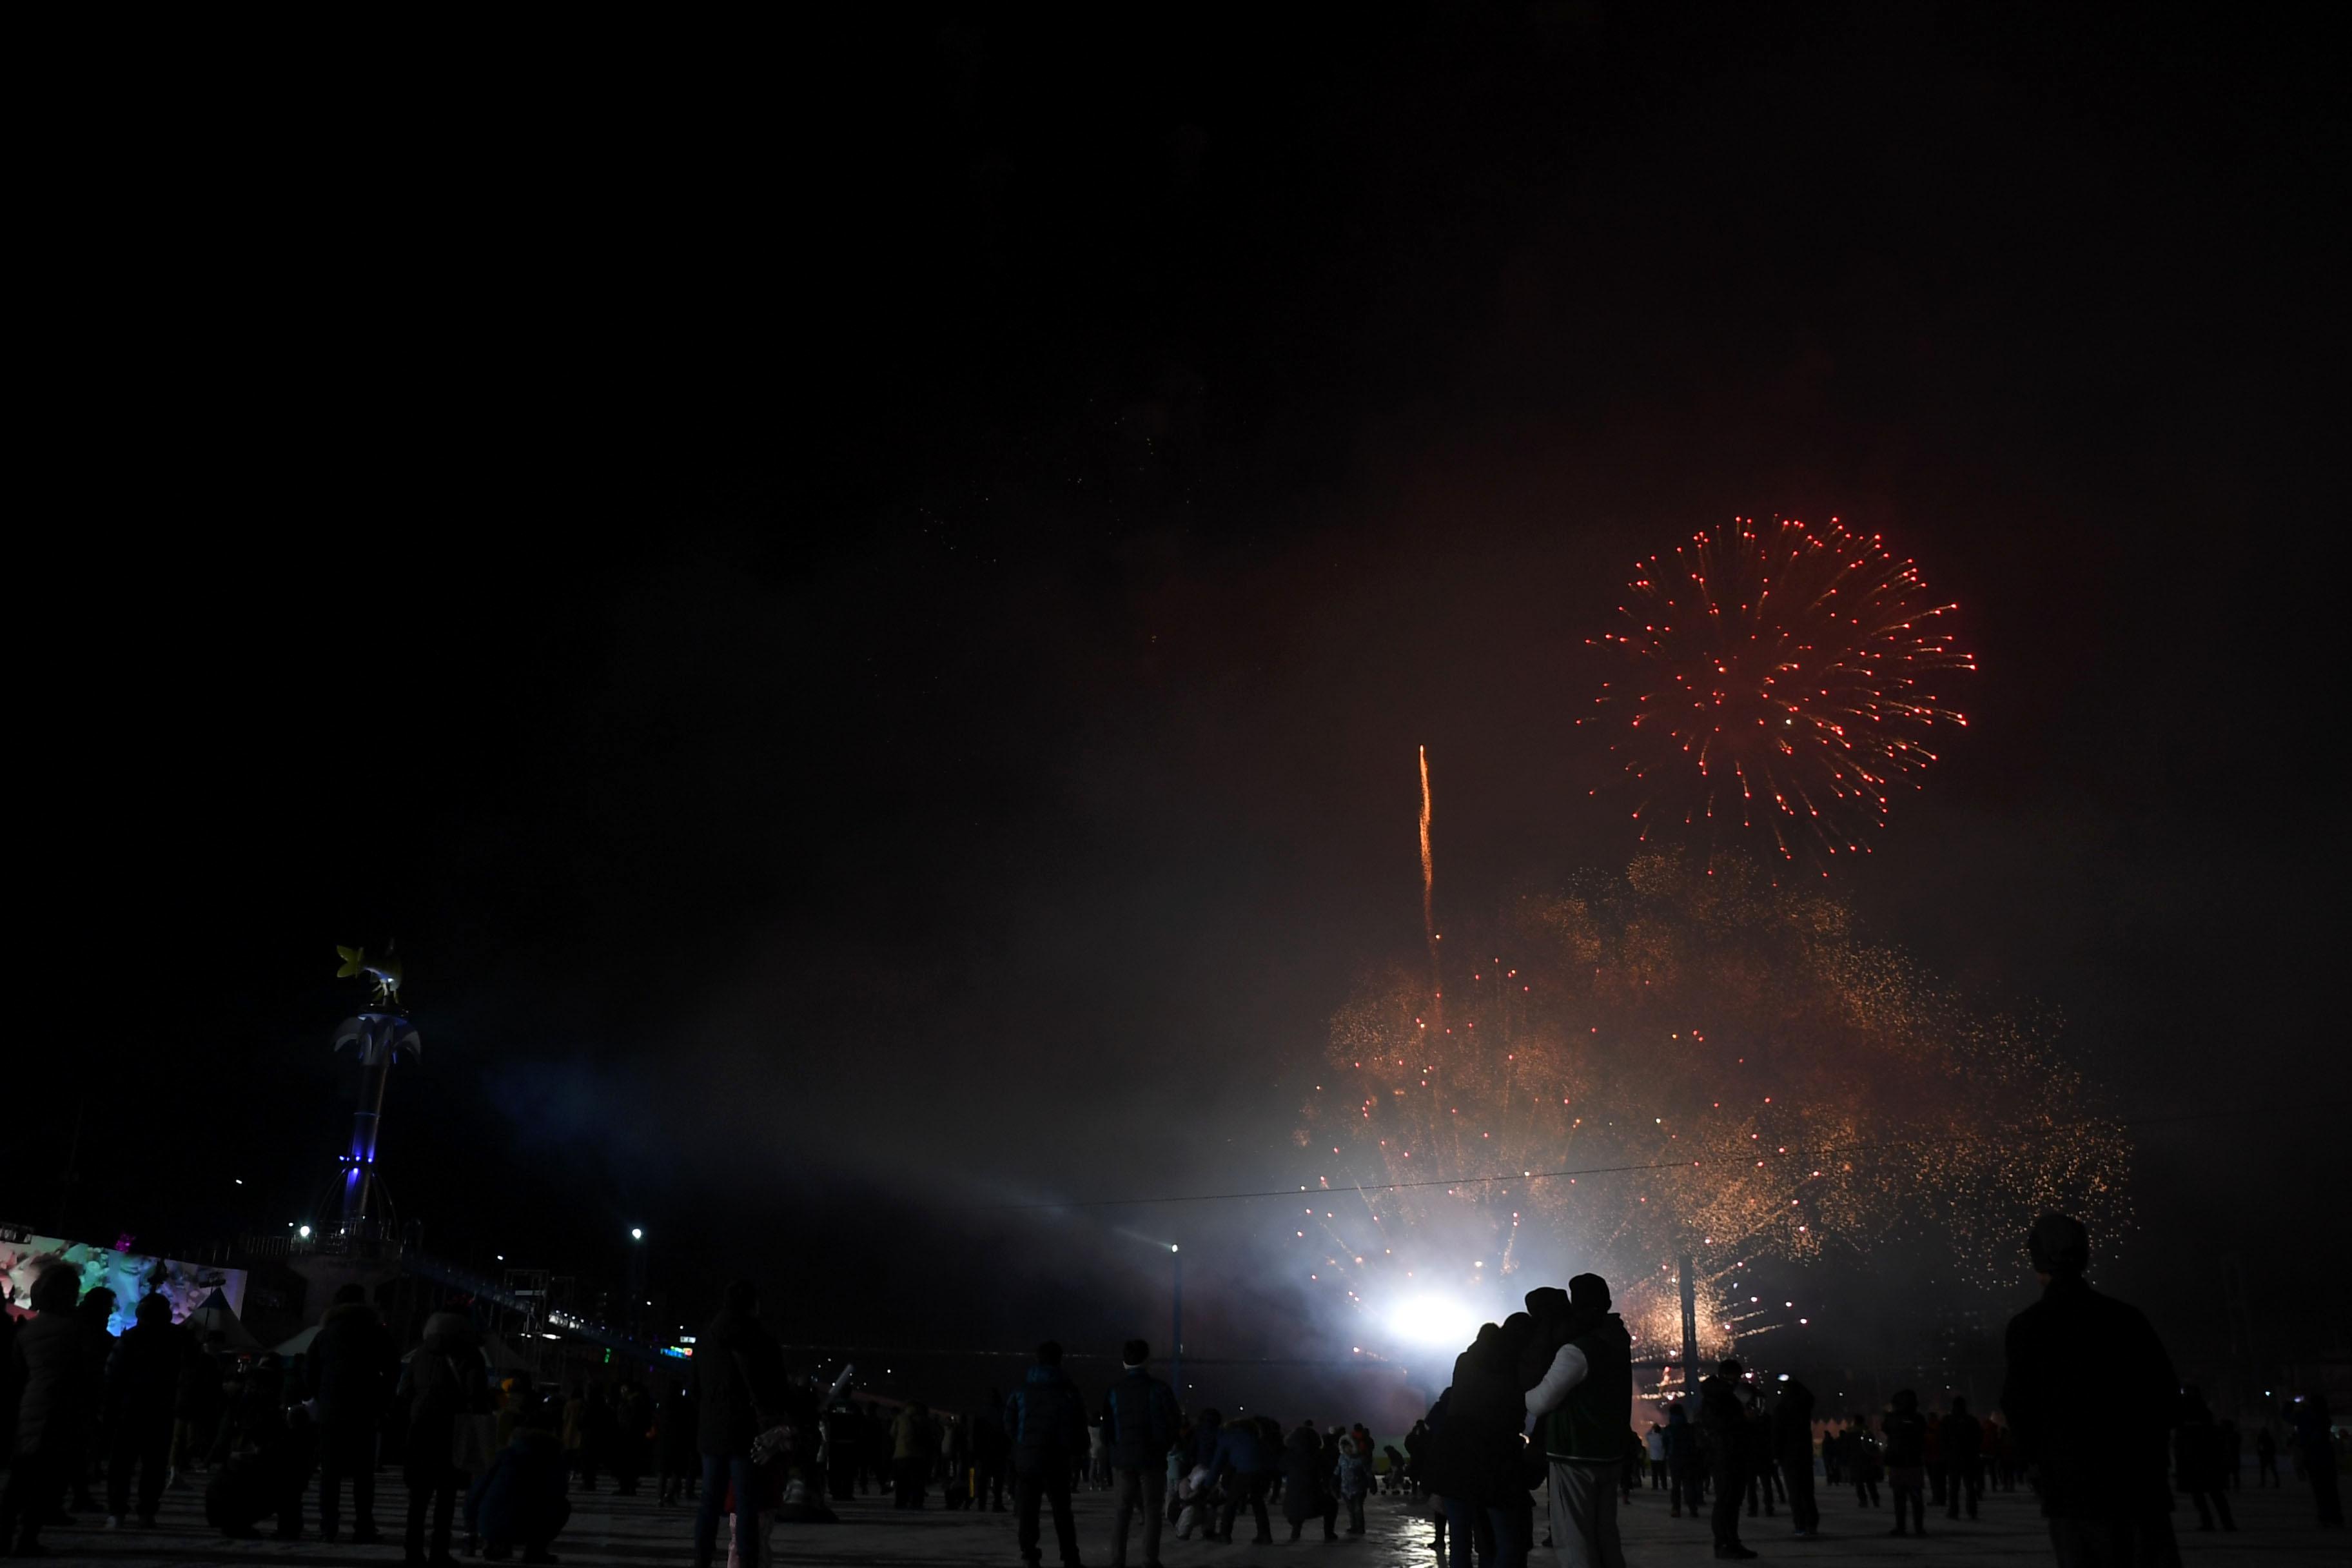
1354, 1479
443, 1380
1243, 1460
677, 1427
1138, 1424
1578, 1409
1962, 1446
741, 1391
50, 1375
2093, 1396
1723, 1417
1686, 1466
1305, 1494
913, 1442
1477, 1453
95, 1314
7, 1387
633, 1419
1763, 1464
518, 1501
1793, 1444
1046, 1423
2314, 1442
992, 1454
354, 1367
1906, 1462
141, 1382
195, 1411
2198, 1467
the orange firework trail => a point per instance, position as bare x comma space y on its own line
1428, 862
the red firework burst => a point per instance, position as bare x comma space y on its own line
1778, 684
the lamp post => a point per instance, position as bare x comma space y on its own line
636, 1279
1176, 1326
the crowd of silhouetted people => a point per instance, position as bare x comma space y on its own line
2091, 1418
172, 1408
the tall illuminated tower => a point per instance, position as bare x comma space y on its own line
378, 1036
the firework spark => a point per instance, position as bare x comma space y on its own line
1778, 685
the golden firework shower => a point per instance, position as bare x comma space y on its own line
1680, 1062
1778, 685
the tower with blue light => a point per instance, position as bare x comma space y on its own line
378, 1036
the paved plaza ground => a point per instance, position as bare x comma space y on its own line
2275, 1528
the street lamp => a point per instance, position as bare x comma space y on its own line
636, 1275
1176, 1326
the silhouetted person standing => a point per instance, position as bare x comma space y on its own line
1864, 1460
1963, 1450
142, 1381
1684, 1463
990, 1451
1138, 1424
2265, 1459
1047, 1422
739, 1392
2197, 1461
1906, 1462
2092, 1396
354, 1368
2314, 1438
55, 1388
1792, 1439
443, 1381
1723, 1414
1580, 1405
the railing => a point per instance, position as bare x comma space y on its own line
416, 1261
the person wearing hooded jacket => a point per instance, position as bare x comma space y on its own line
354, 1368
1047, 1422
1306, 1491
1579, 1409
142, 1381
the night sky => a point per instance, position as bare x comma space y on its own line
861, 603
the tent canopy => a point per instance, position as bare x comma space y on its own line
217, 1317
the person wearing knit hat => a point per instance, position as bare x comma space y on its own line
2090, 1393
1578, 1411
